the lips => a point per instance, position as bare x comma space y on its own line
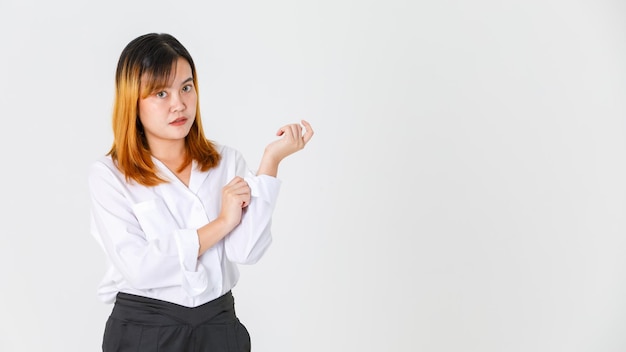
179, 121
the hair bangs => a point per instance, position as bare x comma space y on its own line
156, 71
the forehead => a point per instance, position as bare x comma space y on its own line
181, 68
166, 74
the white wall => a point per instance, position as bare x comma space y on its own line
465, 189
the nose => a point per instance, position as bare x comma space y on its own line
177, 103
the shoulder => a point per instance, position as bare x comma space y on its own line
103, 164
225, 150
227, 153
104, 170
232, 162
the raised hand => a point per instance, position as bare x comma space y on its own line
292, 141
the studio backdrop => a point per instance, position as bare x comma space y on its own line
465, 189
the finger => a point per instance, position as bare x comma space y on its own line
309, 131
240, 188
240, 200
307, 125
246, 201
236, 187
293, 132
235, 180
297, 131
244, 197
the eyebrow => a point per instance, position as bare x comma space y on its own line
190, 79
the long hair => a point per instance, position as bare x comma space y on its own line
150, 58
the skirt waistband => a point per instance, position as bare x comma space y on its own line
150, 311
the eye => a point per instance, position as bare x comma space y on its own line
161, 94
187, 88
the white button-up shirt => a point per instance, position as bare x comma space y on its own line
149, 234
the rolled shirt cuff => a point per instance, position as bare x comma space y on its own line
195, 279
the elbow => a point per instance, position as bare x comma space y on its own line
237, 253
139, 281
144, 273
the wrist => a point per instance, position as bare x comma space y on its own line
224, 224
269, 164
270, 156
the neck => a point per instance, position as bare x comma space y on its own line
170, 153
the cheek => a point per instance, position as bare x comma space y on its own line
142, 109
147, 111
192, 103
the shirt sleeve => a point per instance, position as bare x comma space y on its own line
247, 243
142, 240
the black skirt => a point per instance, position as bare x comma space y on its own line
142, 324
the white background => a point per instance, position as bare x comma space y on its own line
465, 189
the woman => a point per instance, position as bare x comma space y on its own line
174, 212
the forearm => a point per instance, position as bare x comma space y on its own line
269, 165
211, 233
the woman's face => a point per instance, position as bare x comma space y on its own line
167, 114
